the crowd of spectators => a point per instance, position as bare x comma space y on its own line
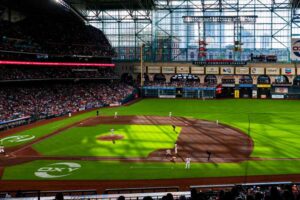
50, 100
31, 73
43, 35
290, 192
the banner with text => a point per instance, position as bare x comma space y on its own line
212, 70
227, 70
257, 70
183, 70
197, 70
272, 71
153, 70
168, 70
242, 70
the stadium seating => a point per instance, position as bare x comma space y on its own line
52, 37
37, 73
259, 191
55, 99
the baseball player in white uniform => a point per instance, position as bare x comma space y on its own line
2, 149
168, 153
116, 115
175, 149
112, 131
170, 114
188, 163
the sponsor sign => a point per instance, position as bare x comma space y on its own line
282, 90
277, 96
246, 85
257, 70
273, 71
264, 85
288, 71
227, 70
242, 70
254, 94
212, 70
16, 139
168, 70
197, 70
57, 170
295, 49
167, 96
228, 85
153, 70
183, 70
236, 94
220, 19
212, 62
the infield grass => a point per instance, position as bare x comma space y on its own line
138, 141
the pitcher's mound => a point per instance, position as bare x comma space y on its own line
111, 137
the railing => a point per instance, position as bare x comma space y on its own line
141, 190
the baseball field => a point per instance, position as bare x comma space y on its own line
249, 140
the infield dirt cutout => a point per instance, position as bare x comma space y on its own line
110, 137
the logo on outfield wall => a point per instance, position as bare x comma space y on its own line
17, 139
57, 170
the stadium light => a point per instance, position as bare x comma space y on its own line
62, 3
56, 64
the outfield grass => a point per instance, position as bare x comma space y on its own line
138, 141
274, 128
113, 170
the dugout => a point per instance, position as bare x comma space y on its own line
245, 86
263, 86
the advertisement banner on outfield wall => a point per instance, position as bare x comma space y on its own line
295, 49
288, 71
168, 70
197, 70
273, 71
257, 70
254, 94
242, 70
281, 90
153, 70
183, 70
227, 70
211, 70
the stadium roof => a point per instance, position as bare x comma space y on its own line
53, 8
116, 4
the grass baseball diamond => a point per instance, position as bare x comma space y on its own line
252, 137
